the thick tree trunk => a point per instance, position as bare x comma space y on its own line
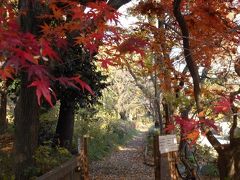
65, 123
27, 109
26, 129
3, 108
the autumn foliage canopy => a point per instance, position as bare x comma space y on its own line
39, 53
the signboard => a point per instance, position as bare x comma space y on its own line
168, 143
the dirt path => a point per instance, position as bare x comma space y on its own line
126, 163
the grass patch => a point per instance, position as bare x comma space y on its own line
107, 140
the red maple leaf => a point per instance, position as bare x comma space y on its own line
37, 71
106, 62
78, 13
187, 125
47, 50
222, 106
209, 123
73, 81
43, 89
6, 73
67, 82
82, 84
169, 128
133, 44
23, 55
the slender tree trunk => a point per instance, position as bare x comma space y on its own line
3, 108
157, 108
27, 109
26, 129
65, 123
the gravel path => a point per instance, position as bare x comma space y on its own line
126, 163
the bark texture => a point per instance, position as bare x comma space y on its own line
229, 162
65, 123
27, 109
3, 108
26, 129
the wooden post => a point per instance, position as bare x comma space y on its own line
172, 168
174, 165
156, 153
81, 158
85, 152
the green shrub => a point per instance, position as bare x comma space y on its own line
6, 166
209, 170
46, 158
47, 126
104, 129
105, 140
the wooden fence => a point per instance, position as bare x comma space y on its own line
74, 169
6, 142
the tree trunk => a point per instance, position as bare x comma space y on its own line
65, 123
3, 108
27, 109
229, 162
26, 129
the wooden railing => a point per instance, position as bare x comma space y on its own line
74, 169
6, 142
67, 171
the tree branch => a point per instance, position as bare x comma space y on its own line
116, 4
193, 69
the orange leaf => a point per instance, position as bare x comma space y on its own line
201, 114
193, 136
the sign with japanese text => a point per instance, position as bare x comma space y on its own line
168, 143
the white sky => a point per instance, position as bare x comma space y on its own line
126, 20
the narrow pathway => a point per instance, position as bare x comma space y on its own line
126, 163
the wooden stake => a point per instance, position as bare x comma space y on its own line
86, 166
156, 153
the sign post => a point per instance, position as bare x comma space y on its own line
156, 154
168, 144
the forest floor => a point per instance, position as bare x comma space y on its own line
126, 162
